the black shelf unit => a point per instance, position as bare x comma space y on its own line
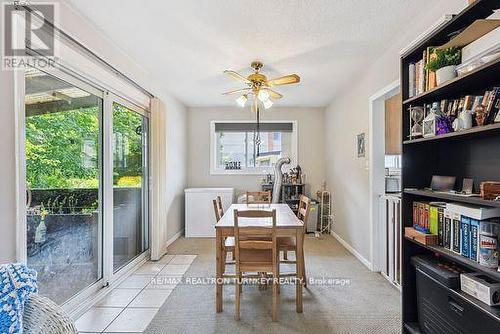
290, 194
473, 153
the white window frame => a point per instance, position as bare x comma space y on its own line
214, 170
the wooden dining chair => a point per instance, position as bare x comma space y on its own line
256, 251
229, 241
289, 244
259, 197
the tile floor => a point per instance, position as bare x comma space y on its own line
131, 306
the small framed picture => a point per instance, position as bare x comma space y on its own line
360, 145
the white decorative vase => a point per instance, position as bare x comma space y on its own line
445, 74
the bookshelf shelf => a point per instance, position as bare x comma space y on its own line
476, 131
473, 265
452, 197
478, 79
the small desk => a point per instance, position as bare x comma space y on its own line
287, 225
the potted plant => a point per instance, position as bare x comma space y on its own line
444, 62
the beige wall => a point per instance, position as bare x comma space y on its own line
347, 115
310, 138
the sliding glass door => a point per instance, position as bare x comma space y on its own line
130, 186
86, 158
63, 140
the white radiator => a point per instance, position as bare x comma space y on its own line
390, 221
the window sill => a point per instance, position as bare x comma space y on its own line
269, 170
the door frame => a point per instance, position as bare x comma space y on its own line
376, 149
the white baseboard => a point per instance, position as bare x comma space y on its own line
354, 252
173, 238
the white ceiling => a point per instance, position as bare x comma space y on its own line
186, 44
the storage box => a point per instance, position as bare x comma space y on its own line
443, 310
423, 238
490, 190
481, 287
481, 45
475, 212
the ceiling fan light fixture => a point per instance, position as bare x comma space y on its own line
242, 100
263, 95
267, 103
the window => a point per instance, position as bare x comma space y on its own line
238, 148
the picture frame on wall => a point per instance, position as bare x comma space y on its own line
360, 145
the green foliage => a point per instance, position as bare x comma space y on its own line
62, 148
443, 58
54, 142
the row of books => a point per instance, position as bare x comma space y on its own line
421, 80
457, 226
489, 103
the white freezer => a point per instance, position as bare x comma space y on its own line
199, 209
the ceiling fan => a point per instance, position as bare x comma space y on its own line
259, 87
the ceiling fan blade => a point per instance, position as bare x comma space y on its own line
285, 80
236, 75
272, 94
241, 91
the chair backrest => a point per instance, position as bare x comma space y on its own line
303, 211
219, 211
260, 235
259, 197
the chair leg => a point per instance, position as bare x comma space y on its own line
275, 299
238, 291
277, 277
224, 257
304, 270
240, 277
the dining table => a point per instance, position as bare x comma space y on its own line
287, 225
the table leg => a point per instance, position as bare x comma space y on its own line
299, 269
219, 273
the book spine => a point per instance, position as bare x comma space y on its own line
455, 231
412, 79
440, 227
433, 219
447, 230
424, 71
474, 239
490, 107
465, 236
415, 214
426, 218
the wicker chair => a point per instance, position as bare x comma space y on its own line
43, 316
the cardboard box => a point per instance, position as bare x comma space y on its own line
423, 238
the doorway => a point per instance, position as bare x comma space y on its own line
377, 153
84, 157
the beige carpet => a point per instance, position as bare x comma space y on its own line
369, 304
